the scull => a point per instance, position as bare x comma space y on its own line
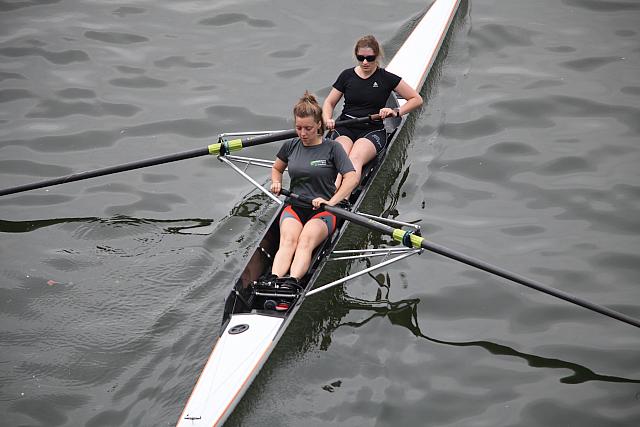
255, 319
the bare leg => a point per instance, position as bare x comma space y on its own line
290, 231
347, 144
313, 233
362, 152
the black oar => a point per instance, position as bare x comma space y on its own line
413, 241
219, 148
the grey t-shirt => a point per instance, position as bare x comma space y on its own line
313, 170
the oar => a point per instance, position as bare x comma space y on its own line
219, 148
413, 241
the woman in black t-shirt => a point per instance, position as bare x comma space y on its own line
313, 164
366, 89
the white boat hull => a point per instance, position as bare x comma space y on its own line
234, 362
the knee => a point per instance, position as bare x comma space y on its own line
305, 244
357, 162
288, 241
346, 142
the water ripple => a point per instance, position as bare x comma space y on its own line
472, 129
566, 165
8, 95
234, 18
140, 82
180, 62
123, 11
115, 38
6, 76
590, 64
290, 74
60, 58
6, 6
599, 6
76, 93
543, 109
52, 411
54, 109
497, 37
85, 140
631, 90
146, 201
296, 52
546, 411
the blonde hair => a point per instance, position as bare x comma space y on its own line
370, 42
308, 106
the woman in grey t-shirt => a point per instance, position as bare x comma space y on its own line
313, 164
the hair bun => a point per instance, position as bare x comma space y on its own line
307, 106
308, 97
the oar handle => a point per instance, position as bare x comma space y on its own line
295, 196
356, 120
356, 218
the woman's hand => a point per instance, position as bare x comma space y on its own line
330, 124
276, 186
389, 112
319, 201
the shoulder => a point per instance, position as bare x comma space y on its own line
291, 143
347, 73
390, 76
387, 73
287, 148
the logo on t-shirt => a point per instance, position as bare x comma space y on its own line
375, 84
318, 163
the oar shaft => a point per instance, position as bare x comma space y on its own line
105, 171
420, 242
514, 277
213, 149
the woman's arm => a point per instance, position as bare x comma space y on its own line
328, 106
413, 98
349, 183
276, 175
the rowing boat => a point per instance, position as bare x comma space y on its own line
254, 318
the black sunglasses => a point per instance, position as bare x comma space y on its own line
369, 58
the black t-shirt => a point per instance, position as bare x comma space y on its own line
313, 170
363, 97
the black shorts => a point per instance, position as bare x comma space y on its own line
378, 137
304, 214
